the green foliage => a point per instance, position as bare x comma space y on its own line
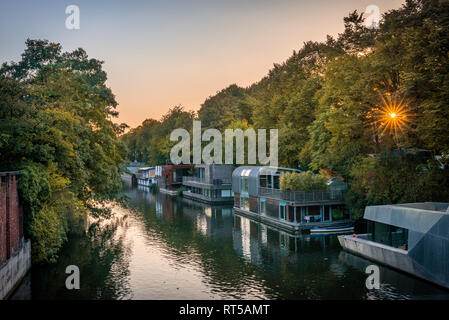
34, 187
304, 181
150, 142
56, 126
48, 233
400, 178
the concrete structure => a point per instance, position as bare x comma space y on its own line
257, 195
14, 269
210, 183
411, 237
15, 257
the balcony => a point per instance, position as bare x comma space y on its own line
201, 182
305, 197
206, 199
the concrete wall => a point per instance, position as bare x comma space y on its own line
14, 270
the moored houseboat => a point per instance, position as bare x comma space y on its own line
210, 183
258, 195
410, 237
169, 177
146, 176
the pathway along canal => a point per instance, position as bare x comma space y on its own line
178, 249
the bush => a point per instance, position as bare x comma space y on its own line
304, 181
48, 231
51, 210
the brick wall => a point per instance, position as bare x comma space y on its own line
11, 216
2, 221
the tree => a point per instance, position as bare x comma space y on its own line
56, 126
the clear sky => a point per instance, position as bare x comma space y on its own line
163, 53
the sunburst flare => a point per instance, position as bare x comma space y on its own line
394, 115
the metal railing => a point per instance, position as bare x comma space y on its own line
216, 182
304, 196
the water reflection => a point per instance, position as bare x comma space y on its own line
179, 249
102, 255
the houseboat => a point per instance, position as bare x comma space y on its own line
210, 183
258, 195
411, 237
169, 177
146, 176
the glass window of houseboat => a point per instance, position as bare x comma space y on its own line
276, 182
263, 181
326, 213
244, 184
263, 206
226, 193
314, 213
282, 211
390, 235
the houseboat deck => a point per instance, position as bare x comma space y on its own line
206, 199
288, 227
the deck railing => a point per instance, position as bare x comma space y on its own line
304, 196
203, 180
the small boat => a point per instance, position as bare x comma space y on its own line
332, 229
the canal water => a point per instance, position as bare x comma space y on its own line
166, 248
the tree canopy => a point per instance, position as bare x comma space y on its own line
56, 124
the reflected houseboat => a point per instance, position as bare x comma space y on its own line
257, 195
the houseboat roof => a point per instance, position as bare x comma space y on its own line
203, 165
146, 168
258, 170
